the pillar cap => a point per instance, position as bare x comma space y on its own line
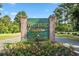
52, 16
23, 17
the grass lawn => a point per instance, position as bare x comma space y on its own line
69, 36
6, 36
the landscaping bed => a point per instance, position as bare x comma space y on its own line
44, 48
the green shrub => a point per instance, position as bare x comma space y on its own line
74, 33
78, 34
68, 33
40, 49
62, 33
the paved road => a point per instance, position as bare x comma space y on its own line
68, 42
10, 40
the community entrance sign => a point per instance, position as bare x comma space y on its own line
52, 24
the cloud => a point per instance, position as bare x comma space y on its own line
13, 13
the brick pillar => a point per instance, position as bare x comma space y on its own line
52, 24
23, 22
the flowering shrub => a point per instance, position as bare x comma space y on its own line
40, 49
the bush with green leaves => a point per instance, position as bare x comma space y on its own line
74, 33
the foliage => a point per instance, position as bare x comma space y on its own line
19, 15
5, 23
68, 12
41, 49
17, 19
8, 26
64, 27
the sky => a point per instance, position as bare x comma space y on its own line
33, 10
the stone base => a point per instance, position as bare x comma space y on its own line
23, 39
53, 42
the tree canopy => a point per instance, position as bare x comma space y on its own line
69, 12
9, 26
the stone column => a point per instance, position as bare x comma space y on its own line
23, 22
52, 24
